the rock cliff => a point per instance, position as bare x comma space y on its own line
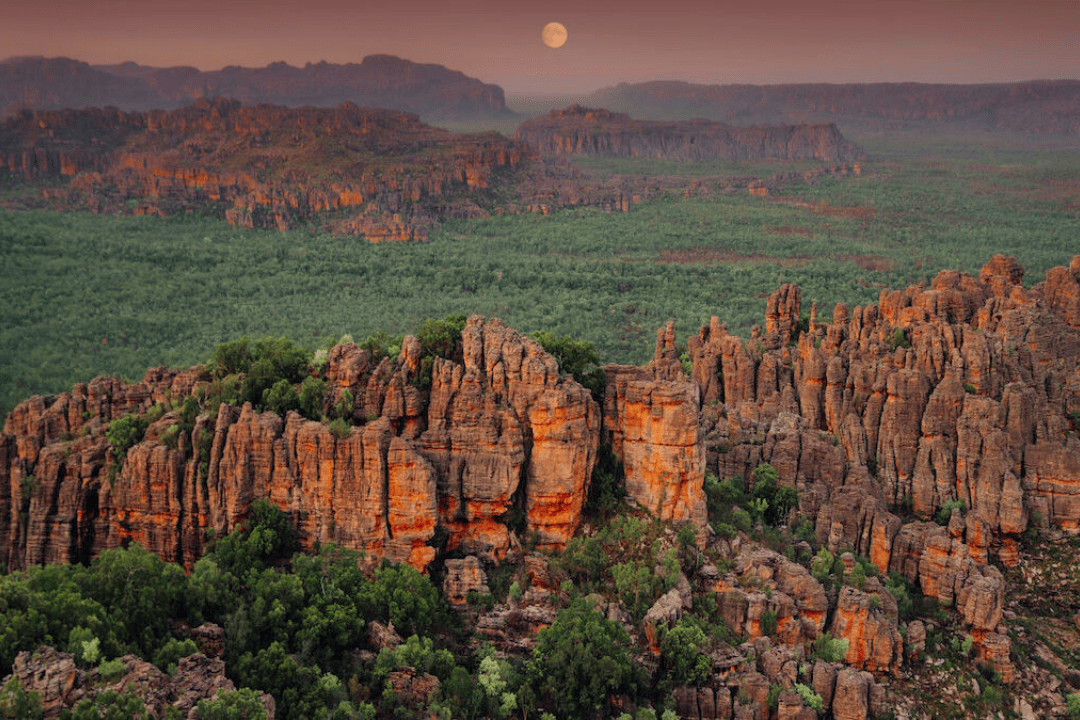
579, 130
499, 433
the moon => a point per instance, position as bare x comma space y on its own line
553, 34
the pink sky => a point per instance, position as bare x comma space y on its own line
708, 41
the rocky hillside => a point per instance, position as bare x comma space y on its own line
579, 130
931, 440
1038, 106
379, 173
431, 91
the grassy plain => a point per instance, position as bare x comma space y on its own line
82, 295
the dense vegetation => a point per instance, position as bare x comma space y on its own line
297, 625
84, 295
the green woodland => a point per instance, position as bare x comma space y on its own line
83, 295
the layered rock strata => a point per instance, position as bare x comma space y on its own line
499, 431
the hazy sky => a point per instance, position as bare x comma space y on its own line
711, 41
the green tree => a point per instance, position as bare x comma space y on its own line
18, 704
141, 592
124, 433
579, 662
779, 499
242, 704
280, 398
577, 358
109, 705
682, 654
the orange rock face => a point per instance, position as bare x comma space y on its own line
653, 428
503, 431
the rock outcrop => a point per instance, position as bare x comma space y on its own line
651, 422
259, 166
499, 431
579, 130
61, 684
959, 394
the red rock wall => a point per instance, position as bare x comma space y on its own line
500, 430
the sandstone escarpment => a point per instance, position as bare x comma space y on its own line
578, 130
498, 434
960, 394
380, 173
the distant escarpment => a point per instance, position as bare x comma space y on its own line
579, 130
1038, 106
385, 81
380, 173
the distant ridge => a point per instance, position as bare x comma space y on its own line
1036, 106
579, 130
432, 91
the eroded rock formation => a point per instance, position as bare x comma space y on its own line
260, 165
61, 684
499, 432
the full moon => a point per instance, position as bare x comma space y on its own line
553, 34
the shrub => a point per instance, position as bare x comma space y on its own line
576, 358
1072, 705
821, 565
810, 698
681, 652
440, 338
125, 433
768, 623
112, 670
779, 499
900, 339
607, 487
340, 429
944, 514
898, 588
311, 398
17, 703
830, 649
280, 398
579, 662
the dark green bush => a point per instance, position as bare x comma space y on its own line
580, 662
125, 433
577, 358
